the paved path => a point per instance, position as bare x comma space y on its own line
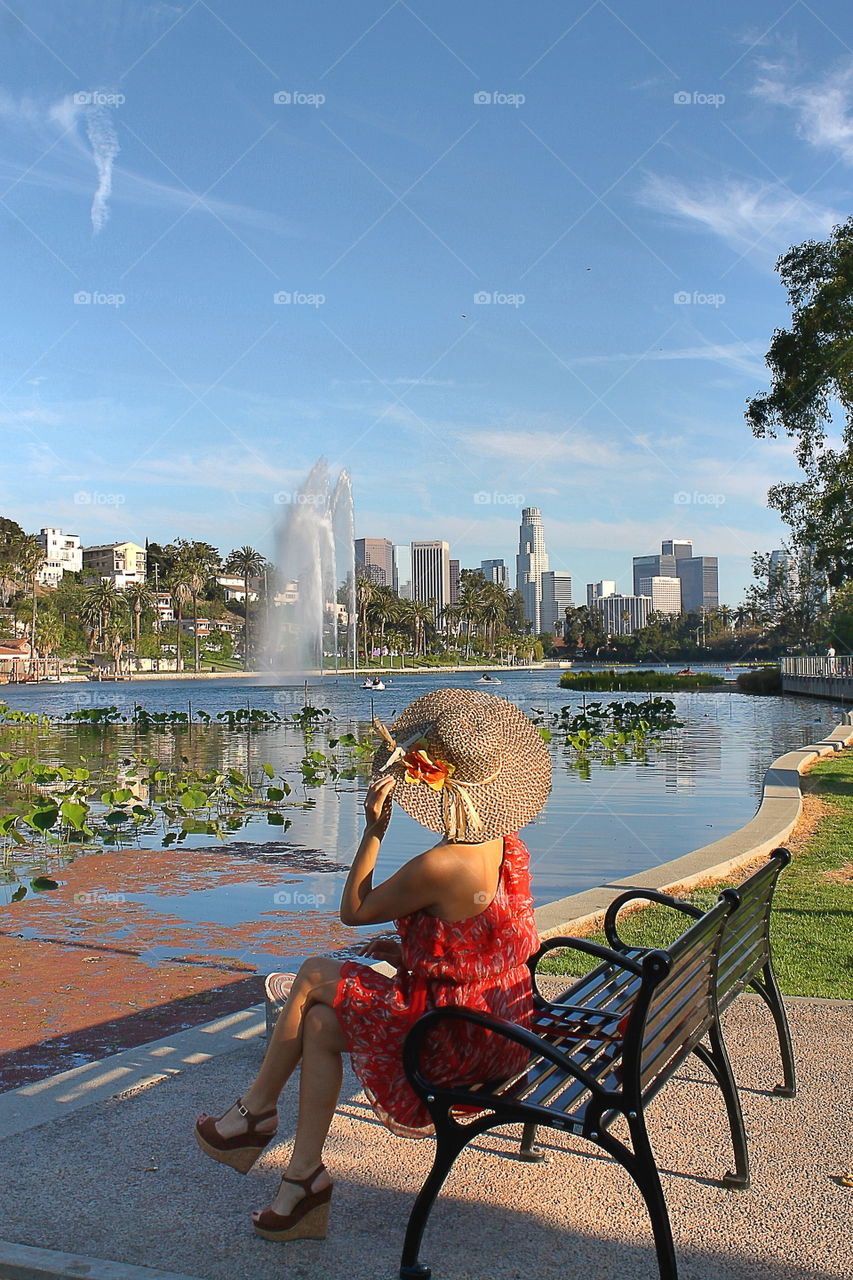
99, 1176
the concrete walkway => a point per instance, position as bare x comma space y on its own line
101, 1178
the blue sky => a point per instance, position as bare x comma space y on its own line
528, 252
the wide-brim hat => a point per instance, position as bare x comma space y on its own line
467, 764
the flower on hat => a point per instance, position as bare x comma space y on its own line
421, 768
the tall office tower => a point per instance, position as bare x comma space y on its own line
378, 552
454, 581
495, 571
681, 548
403, 571
699, 583
431, 574
662, 566
530, 563
598, 590
556, 598
665, 594
622, 615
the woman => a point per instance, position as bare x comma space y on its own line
472, 767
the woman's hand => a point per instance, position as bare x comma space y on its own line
377, 805
385, 947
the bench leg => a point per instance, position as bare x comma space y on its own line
528, 1150
768, 988
642, 1166
450, 1138
717, 1061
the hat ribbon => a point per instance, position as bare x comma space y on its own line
458, 811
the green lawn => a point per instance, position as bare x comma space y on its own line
812, 925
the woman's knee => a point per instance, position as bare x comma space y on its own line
322, 1027
315, 971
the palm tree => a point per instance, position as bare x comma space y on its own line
471, 604
365, 591
248, 563
28, 558
50, 633
139, 596
384, 608
101, 604
200, 562
418, 615
179, 588
493, 609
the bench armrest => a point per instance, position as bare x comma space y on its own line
645, 895
413, 1045
589, 948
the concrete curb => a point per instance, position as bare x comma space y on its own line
774, 820
23, 1262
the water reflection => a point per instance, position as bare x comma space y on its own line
698, 784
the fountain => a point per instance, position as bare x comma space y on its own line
314, 550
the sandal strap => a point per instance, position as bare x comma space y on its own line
253, 1120
305, 1183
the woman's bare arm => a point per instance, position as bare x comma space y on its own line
414, 887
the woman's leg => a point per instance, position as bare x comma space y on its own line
315, 983
320, 1085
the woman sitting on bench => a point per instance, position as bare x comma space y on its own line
469, 766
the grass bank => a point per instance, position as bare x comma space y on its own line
613, 681
812, 922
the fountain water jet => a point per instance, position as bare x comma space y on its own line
314, 549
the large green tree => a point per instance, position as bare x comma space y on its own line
811, 393
247, 563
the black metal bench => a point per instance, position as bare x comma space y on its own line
745, 956
745, 961
590, 1064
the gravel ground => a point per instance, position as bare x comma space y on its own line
123, 1180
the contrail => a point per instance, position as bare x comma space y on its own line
105, 148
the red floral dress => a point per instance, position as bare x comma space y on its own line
480, 962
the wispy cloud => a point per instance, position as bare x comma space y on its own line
742, 212
745, 357
71, 135
824, 108
103, 138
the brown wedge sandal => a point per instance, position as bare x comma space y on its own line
309, 1218
241, 1151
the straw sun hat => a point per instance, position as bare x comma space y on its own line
467, 764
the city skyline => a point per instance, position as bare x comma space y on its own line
507, 310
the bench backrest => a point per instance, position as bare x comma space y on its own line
745, 947
676, 1004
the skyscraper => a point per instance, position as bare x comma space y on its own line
598, 590
454, 581
403, 571
530, 563
431, 574
556, 598
622, 615
665, 594
662, 566
378, 552
495, 571
678, 547
699, 583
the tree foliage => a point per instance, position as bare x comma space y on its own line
811, 366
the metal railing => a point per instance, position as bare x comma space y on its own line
841, 666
